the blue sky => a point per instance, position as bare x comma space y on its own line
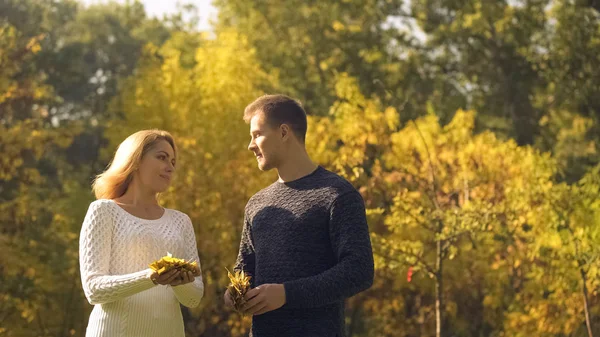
160, 7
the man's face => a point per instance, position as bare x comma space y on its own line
265, 142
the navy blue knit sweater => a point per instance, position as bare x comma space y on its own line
310, 235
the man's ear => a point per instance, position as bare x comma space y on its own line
285, 132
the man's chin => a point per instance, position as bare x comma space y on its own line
264, 167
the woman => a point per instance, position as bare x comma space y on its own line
124, 231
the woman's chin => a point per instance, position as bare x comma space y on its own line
161, 188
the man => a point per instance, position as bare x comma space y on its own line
305, 239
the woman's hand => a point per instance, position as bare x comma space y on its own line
197, 272
176, 277
185, 277
165, 278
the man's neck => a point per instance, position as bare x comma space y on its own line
296, 168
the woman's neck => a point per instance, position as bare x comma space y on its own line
136, 195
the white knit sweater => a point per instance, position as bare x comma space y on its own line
115, 249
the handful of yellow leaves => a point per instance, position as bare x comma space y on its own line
167, 263
240, 284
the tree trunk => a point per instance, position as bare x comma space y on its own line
439, 300
588, 321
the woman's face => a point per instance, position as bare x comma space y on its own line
157, 167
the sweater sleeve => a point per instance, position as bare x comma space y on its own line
95, 243
246, 255
354, 270
190, 294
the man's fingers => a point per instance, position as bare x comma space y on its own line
227, 298
255, 301
257, 308
251, 308
252, 293
262, 311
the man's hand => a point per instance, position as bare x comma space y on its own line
264, 298
227, 299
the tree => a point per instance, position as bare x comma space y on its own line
457, 207
38, 233
565, 265
44, 87
19, 86
203, 107
570, 98
308, 43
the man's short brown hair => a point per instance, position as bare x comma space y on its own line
279, 109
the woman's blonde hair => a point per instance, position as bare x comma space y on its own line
114, 182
